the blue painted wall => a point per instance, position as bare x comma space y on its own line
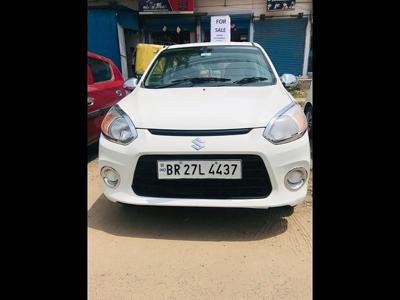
128, 19
103, 35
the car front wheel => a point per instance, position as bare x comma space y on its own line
308, 114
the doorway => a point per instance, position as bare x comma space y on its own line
132, 38
170, 38
237, 35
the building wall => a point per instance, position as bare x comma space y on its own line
102, 33
132, 4
259, 7
240, 7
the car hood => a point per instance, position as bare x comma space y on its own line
203, 108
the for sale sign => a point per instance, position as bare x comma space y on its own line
280, 5
220, 29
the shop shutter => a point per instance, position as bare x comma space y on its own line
283, 40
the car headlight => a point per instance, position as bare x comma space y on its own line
118, 127
287, 125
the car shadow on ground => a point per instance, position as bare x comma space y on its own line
187, 223
92, 152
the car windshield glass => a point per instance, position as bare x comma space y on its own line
210, 66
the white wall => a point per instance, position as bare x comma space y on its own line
257, 6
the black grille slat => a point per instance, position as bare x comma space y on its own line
254, 184
212, 132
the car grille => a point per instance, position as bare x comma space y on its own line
213, 132
255, 182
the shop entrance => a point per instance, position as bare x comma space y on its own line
240, 28
127, 40
170, 38
132, 38
169, 29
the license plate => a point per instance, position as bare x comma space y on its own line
199, 169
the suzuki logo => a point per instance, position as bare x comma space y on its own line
198, 144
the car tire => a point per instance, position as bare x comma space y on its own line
308, 113
125, 205
284, 211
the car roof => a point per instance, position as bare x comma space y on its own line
98, 56
210, 44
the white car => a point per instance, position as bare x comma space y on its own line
208, 124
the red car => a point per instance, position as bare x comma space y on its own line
105, 88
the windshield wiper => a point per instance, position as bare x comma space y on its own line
207, 79
175, 82
246, 80
193, 80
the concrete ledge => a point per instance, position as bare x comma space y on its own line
301, 101
305, 83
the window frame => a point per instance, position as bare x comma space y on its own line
269, 65
109, 66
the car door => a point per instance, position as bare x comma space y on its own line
104, 90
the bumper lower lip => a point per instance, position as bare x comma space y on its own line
278, 160
243, 203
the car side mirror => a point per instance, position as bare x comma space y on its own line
289, 80
130, 84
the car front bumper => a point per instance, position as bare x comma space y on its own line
278, 160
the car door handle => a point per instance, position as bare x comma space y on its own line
119, 93
90, 101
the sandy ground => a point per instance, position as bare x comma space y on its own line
196, 253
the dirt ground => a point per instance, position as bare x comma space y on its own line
196, 253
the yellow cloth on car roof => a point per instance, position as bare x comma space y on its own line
144, 55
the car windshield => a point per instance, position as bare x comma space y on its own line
210, 66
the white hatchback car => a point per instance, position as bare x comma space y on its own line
209, 124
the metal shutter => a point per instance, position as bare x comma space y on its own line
283, 40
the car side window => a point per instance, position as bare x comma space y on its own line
101, 70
